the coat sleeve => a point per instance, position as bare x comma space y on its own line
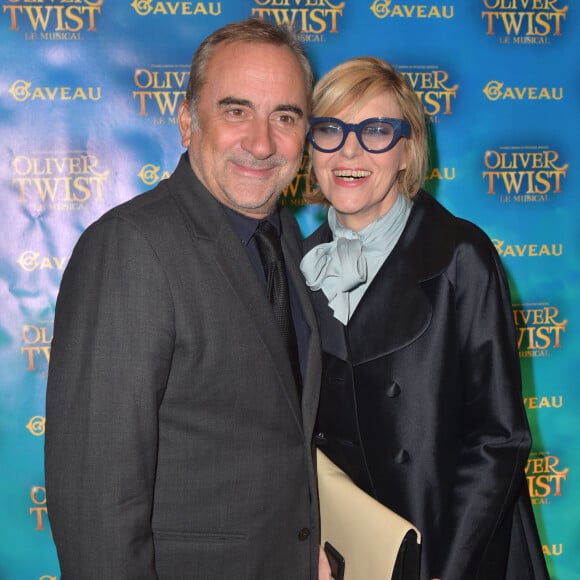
495, 434
110, 358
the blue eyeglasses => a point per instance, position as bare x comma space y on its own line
375, 135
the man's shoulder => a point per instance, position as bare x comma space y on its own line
289, 223
162, 199
151, 208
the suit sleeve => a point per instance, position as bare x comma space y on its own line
110, 358
495, 434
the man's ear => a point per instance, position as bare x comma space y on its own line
184, 121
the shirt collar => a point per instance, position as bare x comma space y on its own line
245, 226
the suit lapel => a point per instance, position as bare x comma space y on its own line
312, 366
208, 221
234, 263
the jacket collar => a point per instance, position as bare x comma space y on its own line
396, 295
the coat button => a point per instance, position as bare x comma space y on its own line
402, 456
303, 534
393, 390
320, 438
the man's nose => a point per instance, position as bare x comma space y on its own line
259, 141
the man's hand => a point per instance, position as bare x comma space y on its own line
323, 566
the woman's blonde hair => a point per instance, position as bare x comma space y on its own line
351, 85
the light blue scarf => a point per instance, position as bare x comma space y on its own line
345, 267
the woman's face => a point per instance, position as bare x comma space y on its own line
361, 186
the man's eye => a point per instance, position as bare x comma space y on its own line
286, 119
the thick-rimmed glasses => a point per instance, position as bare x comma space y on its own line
375, 135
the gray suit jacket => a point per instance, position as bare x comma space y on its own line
175, 445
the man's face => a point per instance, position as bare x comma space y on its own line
248, 142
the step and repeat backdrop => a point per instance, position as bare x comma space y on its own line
89, 91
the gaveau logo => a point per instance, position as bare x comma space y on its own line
389, 9
496, 90
23, 90
552, 402
442, 174
31, 261
151, 174
53, 19
160, 8
527, 250
36, 425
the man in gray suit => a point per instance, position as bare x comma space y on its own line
178, 438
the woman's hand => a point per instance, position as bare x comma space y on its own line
323, 566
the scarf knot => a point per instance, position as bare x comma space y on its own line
344, 267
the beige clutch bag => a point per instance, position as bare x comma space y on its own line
363, 539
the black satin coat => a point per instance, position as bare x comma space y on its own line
421, 399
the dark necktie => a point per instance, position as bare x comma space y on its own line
270, 249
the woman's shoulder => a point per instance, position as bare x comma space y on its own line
439, 222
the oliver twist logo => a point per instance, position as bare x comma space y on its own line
53, 19
65, 181
389, 9
524, 174
310, 18
155, 7
35, 349
540, 328
545, 477
38, 510
523, 21
159, 90
434, 88
292, 195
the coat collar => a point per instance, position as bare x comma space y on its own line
396, 295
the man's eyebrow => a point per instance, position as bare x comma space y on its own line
228, 101
233, 101
291, 109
